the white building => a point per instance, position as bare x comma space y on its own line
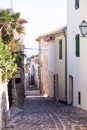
77, 52
51, 66
61, 64
53, 74
57, 76
47, 63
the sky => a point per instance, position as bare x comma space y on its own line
42, 15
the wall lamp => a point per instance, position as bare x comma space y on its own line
52, 37
83, 28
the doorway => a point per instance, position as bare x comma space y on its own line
70, 90
56, 87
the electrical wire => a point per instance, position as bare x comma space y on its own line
34, 49
31, 48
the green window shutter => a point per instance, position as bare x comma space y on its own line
77, 38
60, 49
76, 4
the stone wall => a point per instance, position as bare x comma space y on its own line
51, 84
44, 67
18, 91
17, 99
20, 95
4, 105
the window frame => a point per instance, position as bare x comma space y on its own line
77, 45
60, 49
76, 4
79, 98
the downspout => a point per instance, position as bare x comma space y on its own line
52, 37
40, 87
65, 36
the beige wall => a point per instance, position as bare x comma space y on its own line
51, 67
60, 68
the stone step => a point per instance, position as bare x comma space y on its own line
32, 92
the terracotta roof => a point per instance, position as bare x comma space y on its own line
21, 21
36, 60
48, 36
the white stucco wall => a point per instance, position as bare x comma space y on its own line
51, 57
77, 66
51, 66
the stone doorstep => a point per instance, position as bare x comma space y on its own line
14, 110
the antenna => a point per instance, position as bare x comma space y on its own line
11, 2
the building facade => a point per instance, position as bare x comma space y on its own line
51, 66
53, 62
77, 51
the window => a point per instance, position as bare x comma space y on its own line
79, 98
60, 49
76, 4
77, 40
17, 80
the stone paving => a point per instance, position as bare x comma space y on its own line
41, 113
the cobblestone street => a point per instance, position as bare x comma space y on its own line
41, 113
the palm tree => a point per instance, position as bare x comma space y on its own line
9, 25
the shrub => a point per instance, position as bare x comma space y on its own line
7, 61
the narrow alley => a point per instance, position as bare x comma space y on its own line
42, 113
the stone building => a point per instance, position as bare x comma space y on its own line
43, 64
54, 57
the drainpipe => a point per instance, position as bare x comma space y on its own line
54, 89
65, 36
40, 86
